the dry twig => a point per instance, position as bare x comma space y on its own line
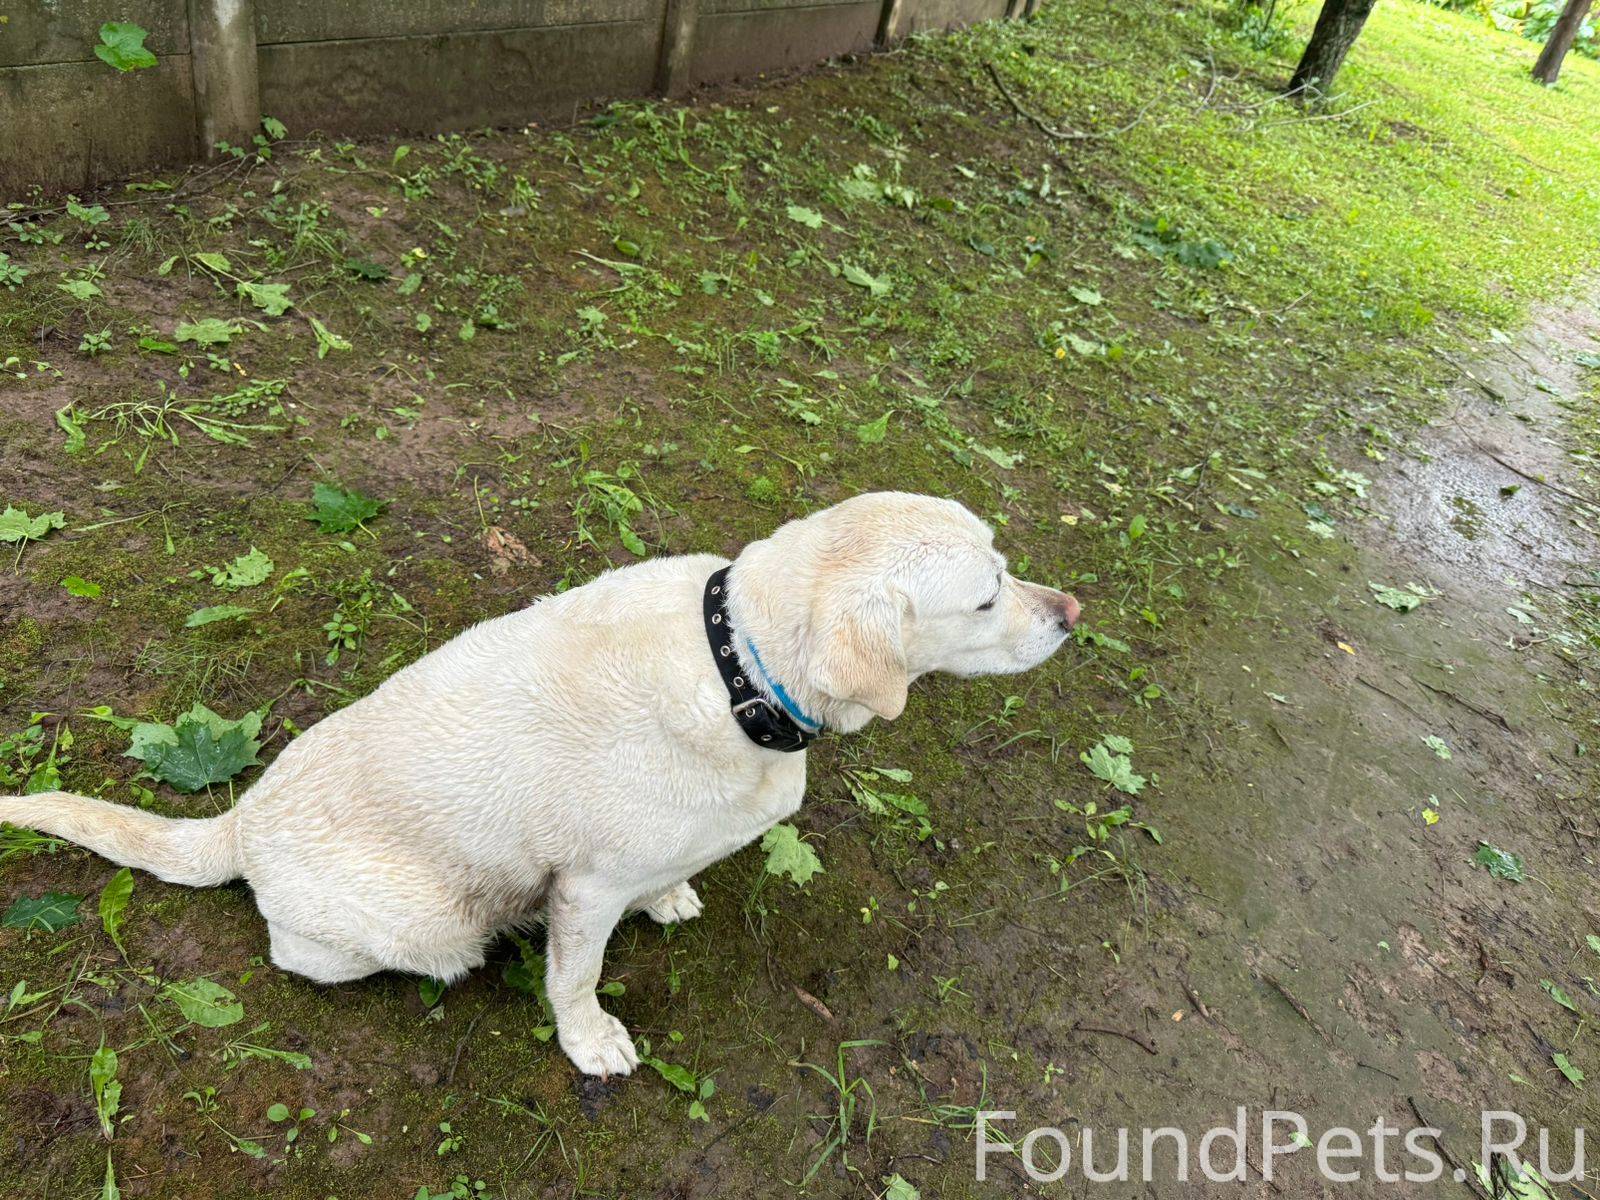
1299, 1008
1063, 135
1486, 713
1137, 1039
1466, 1176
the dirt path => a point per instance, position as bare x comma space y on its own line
1353, 961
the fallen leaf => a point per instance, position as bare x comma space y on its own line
1400, 599
1106, 762
17, 526
122, 46
336, 510
876, 284
1574, 1076
199, 749
811, 1002
788, 855
51, 912
870, 433
1500, 863
270, 298
216, 612
246, 571
1558, 995
506, 550
208, 331
205, 1003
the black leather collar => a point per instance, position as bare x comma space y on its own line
764, 723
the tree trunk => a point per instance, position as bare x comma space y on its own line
1337, 26
1561, 38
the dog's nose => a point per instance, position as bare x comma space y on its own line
1067, 607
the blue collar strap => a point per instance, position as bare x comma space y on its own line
783, 726
810, 724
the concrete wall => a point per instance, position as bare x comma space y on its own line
67, 120
66, 117
747, 37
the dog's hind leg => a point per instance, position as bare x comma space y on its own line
316, 960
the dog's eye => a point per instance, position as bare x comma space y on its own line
986, 605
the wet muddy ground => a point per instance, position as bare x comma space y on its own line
1302, 940
1353, 960
1224, 465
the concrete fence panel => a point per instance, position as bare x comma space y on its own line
67, 120
66, 117
932, 16
38, 33
740, 38
457, 77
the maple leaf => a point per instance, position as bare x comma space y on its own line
122, 46
208, 331
1502, 864
17, 526
247, 570
788, 855
1115, 769
336, 510
199, 749
270, 298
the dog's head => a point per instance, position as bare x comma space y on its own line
890, 586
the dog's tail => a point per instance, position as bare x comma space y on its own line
198, 852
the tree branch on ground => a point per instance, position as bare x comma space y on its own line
1063, 135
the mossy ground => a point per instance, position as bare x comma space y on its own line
1153, 359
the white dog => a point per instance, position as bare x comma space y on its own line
587, 755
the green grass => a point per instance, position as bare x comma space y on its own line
1454, 187
667, 329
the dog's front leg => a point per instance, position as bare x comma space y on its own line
674, 905
581, 914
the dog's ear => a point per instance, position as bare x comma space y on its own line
856, 648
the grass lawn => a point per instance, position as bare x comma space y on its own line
305, 418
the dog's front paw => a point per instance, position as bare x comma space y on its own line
682, 903
601, 1047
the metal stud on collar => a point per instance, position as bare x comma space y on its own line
759, 718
